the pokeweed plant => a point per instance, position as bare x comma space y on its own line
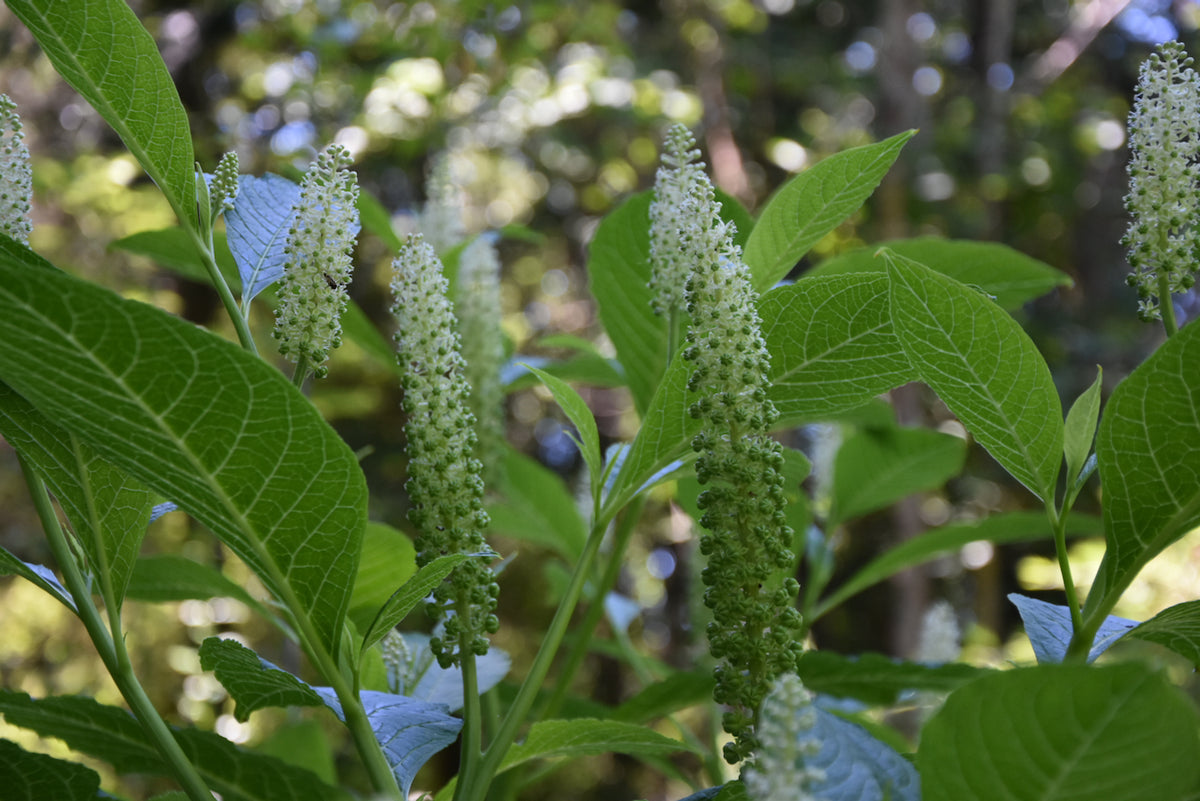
118, 411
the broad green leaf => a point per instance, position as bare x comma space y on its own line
410, 594
677, 691
167, 577
984, 367
103, 51
812, 204
998, 529
173, 249
1148, 447
1177, 628
876, 679
108, 511
855, 765
257, 229
26, 776
199, 421
302, 743
1059, 732
1008, 275
252, 682
1050, 630
577, 412
423, 679
1080, 428
40, 575
874, 468
535, 506
832, 346
388, 560
115, 736
583, 368
553, 739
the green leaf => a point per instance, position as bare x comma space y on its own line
40, 575
252, 682
304, 744
1050, 629
874, 468
534, 506
876, 679
1008, 275
1058, 732
388, 560
577, 412
998, 529
852, 764
110, 59
113, 735
257, 230
1177, 628
166, 578
199, 421
832, 346
108, 511
27, 776
579, 737
1148, 448
677, 691
1080, 428
583, 367
375, 218
984, 367
408, 596
173, 249
812, 204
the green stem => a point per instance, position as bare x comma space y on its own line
301, 372
1059, 523
1165, 306
111, 646
209, 259
472, 740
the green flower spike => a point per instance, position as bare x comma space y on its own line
318, 264
224, 187
1164, 198
483, 345
678, 180
444, 485
778, 772
16, 175
755, 625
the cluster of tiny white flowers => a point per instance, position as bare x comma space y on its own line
16, 175
441, 219
317, 266
479, 315
445, 485
676, 185
786, 743
940, 635
1164, 198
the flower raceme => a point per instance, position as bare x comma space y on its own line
676, 183
16, 175
445, 485
779, 771
318, 264
1163, 239
478, 307
441, 219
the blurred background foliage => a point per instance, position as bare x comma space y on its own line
550, 113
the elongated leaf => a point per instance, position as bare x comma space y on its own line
1148, 446
40, 575
584, 368
110, 59
164, 578
1177, 628
257, 228
577, 412
856, 766
1058, 732
876, 679
113, 735
173, 249
535, 506
832, 346
26, 776
375, 218
1049, 629
1080, 428
1008, 275
812, 204
678, 691
253, 682
388, 560
579, 737
874, 468
410, 594
107, 510
984, 367
998, 529
198, 420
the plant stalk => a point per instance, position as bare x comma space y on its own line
1165, 306
1058, 522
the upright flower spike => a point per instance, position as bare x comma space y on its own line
317, 266
16, 175
483, 345
224, 187
1164, 195
779, 771
679, 178
755, 625
444, 485
441, 219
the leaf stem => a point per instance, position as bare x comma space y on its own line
1165, 305
209, 259
1058, 521
472, 741
111, 646
301, 372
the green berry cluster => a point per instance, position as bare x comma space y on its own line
16, 175
318, 263
1163, 239
479, 316
445, 485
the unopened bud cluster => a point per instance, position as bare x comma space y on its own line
224, 187
1164, 196
479, 315
787, 744
755, 625
445, 485
318, 264
676, 187
16, 175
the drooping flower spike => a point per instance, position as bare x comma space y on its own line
16, 175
